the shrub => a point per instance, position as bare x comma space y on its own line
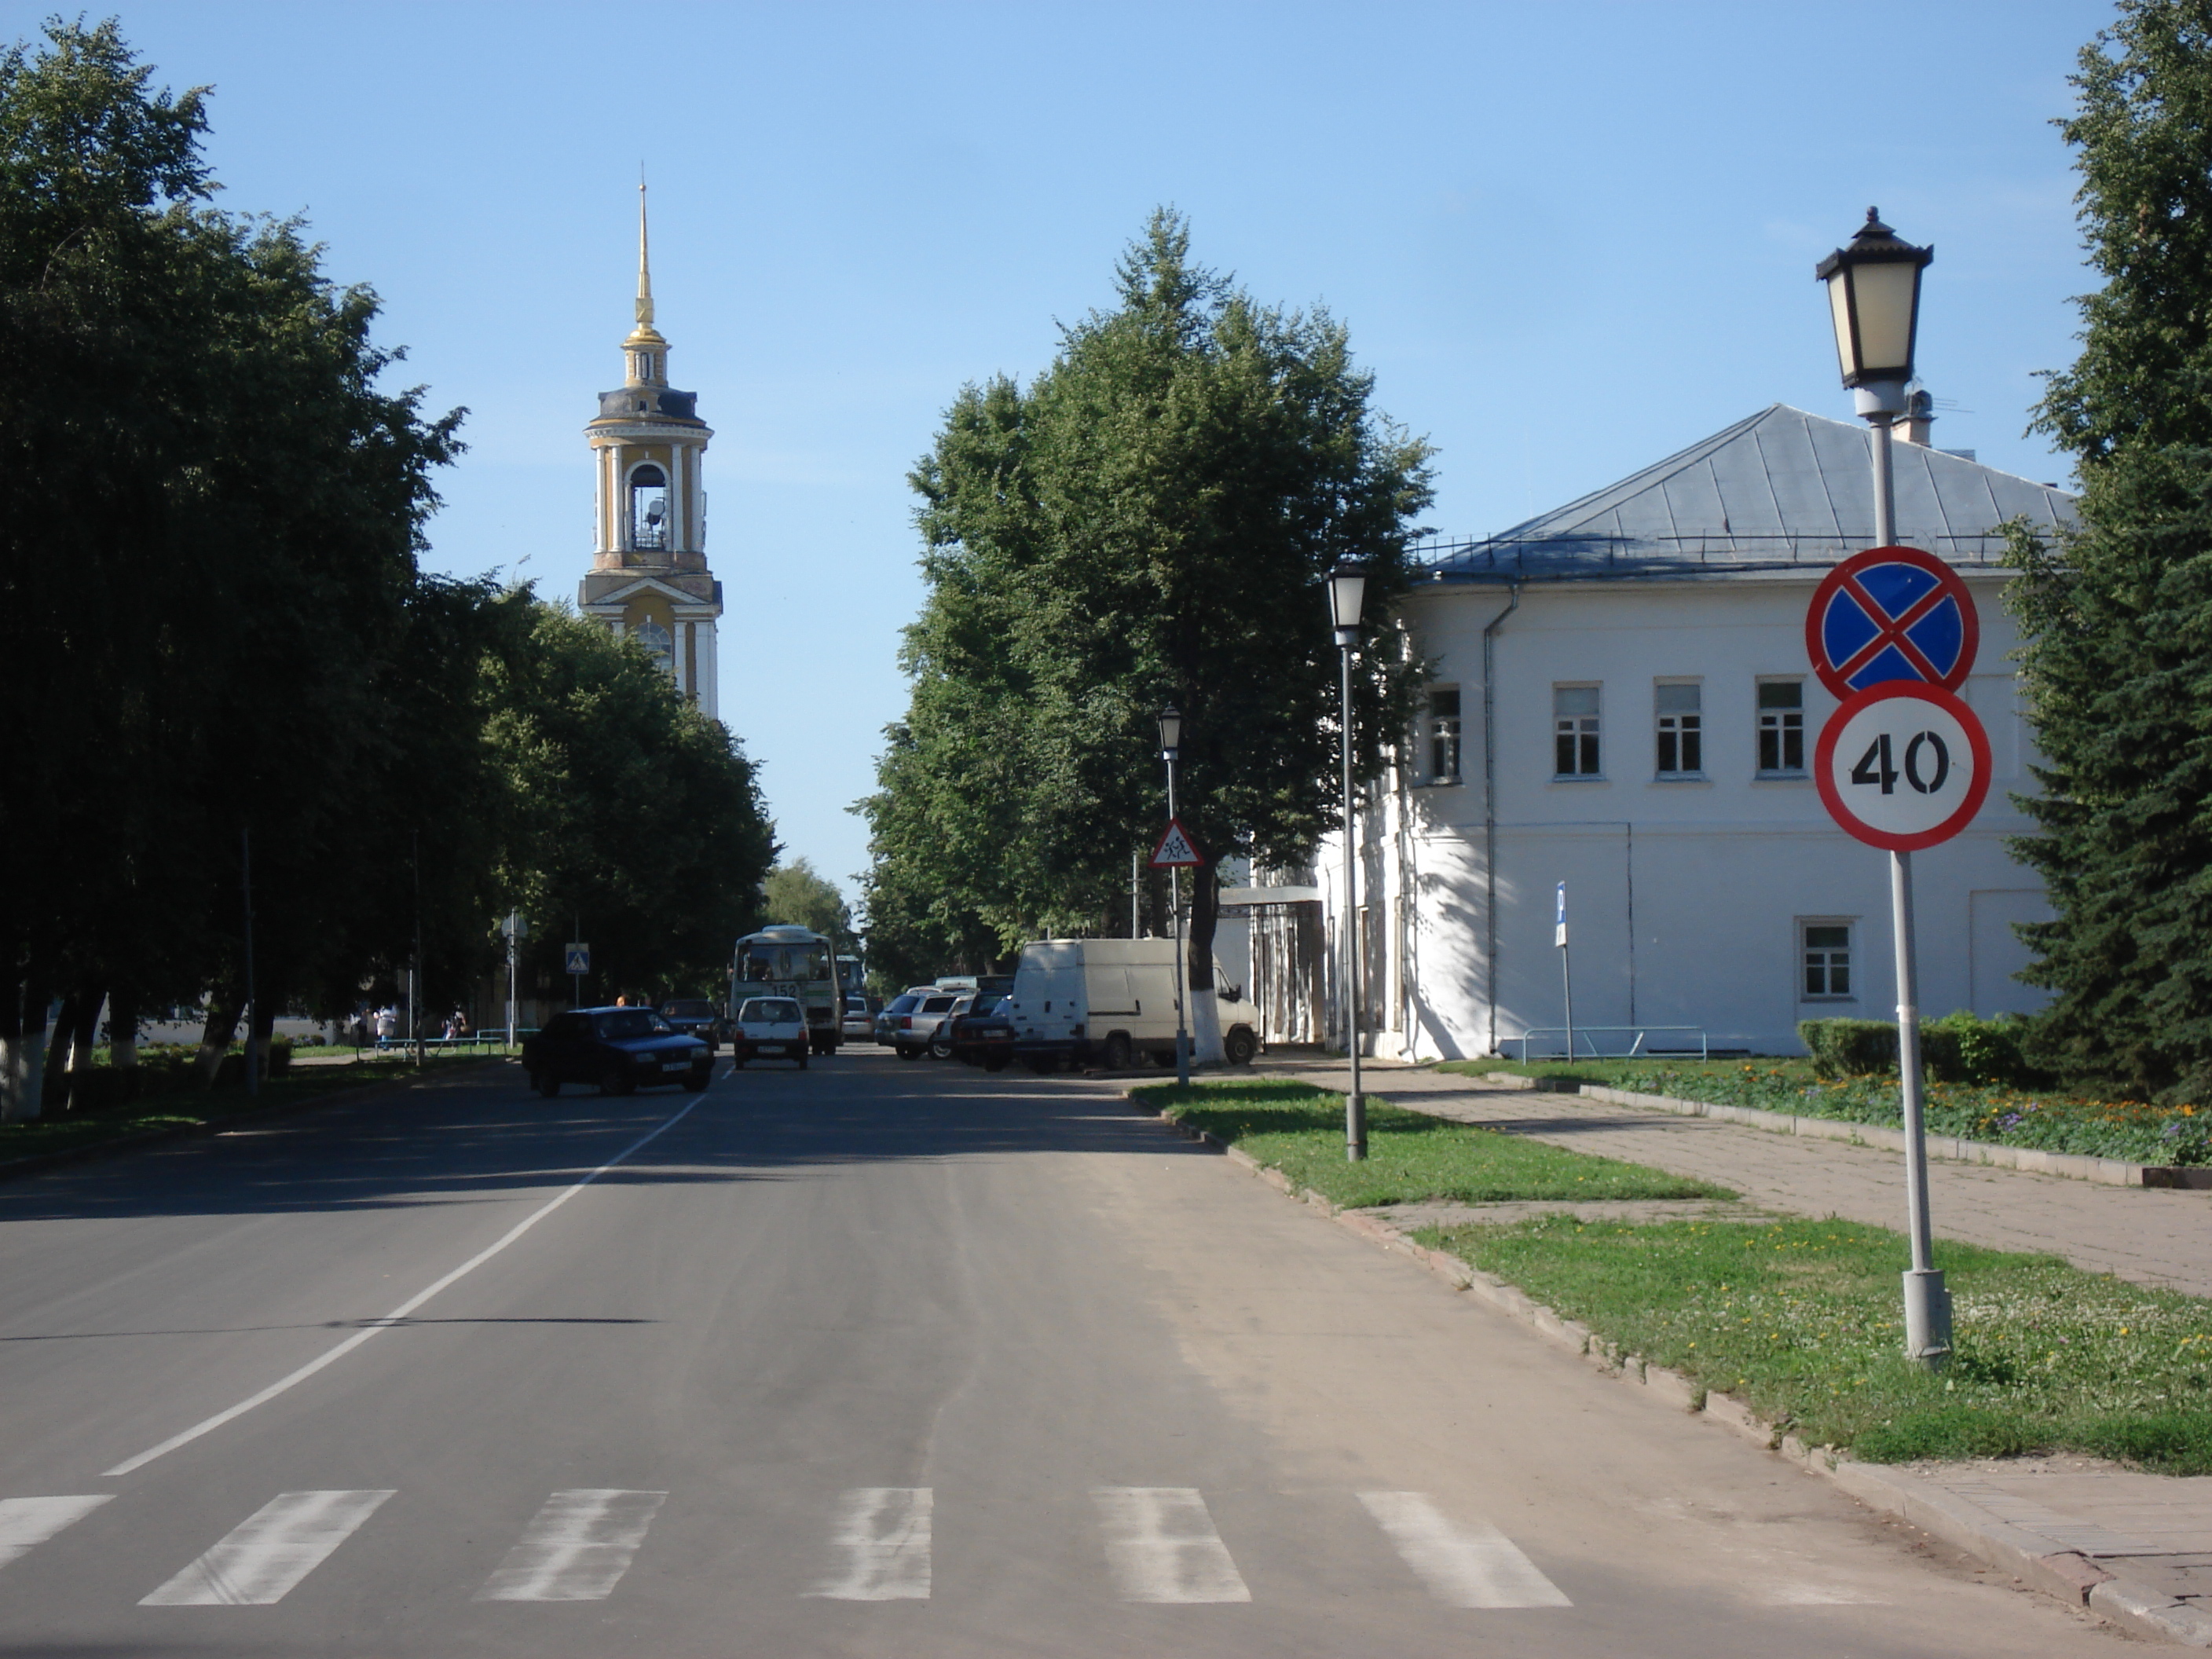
1978, 1050
1849, 1047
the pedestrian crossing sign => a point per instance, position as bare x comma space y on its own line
578, 957
1176, 851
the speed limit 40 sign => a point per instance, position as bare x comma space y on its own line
1903, 765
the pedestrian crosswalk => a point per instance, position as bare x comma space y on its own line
1156, 1544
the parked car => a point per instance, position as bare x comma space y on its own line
917, 1033
891, 1017
984, 1035
1105, 1001
860, 1025
619, 1049
770, 1025
696, 1017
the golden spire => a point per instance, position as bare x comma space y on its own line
644, 335
644, 262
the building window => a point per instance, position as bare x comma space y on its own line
648, 508
1575, 731
1826, 954
658, 643
1678, 710
1781, 728
1444, 734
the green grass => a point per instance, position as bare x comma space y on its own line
184, 1108
2136, 1130
1803, 1319
1299, 1129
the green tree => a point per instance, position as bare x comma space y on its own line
793, 892
2117, 618
627, 808
208, 516
1149, 522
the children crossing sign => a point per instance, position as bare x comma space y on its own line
1176, 851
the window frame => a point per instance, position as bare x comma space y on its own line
1801, 967
1782, 730
1588, 740
1689, 740
1433, 735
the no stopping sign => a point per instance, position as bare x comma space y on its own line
1903, 766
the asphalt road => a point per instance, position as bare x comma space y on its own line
873, 1358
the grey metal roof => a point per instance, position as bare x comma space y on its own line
1781, 491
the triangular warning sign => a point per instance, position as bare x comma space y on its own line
1176, 850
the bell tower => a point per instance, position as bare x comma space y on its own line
650, 578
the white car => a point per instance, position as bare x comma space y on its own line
859, 1025
769, 1025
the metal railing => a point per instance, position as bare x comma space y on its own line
1584, 1040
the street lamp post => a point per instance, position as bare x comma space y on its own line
1171, 743
1874, 299
1348, 594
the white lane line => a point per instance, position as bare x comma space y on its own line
270, 1552
1464, 1563
397, 1314
884, 1531
1161, 1545
576, 1548
27, 1522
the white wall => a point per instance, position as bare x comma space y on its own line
1685, 897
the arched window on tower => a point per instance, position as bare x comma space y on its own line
658, 644
648, 508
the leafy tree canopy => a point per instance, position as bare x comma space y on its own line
1148, 522
793, 892
2117, 618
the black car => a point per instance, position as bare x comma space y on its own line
617, 1049
984, 1035
696, 1017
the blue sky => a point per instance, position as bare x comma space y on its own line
1568, 239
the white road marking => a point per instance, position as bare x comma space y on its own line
398, 1313
270, 1552
27, 1522
885, 1532
1464, 1563
1161, 1545
576, 1548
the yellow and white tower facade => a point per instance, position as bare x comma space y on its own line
650, 578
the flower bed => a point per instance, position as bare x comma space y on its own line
2134, 1131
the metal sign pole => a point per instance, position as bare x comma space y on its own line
1175, 905
1567, 977
1927, 1303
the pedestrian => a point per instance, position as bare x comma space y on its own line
387, 1024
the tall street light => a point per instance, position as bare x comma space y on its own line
1171, 742
1873, 298
1347, 595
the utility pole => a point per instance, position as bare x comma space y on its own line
252, 1003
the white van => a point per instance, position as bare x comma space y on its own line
1109, 1000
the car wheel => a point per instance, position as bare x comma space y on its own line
1117, 1056
1043, 1065
939, 1048
700, 1077
546, 1084
616, 1081
995, 1063
1240, 1045
905, 1053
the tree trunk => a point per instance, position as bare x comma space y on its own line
1205, 1009
214, 1036
83, 1035
54, 1086
23, 1048
123, 1027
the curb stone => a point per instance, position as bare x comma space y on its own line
2064, 1575
2074, 1166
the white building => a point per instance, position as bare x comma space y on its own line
1623, 702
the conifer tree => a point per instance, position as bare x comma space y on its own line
2118, 617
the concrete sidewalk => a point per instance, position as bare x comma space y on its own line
2143, 1541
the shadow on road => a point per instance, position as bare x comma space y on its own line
479, 1140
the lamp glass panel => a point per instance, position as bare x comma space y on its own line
1171, 730
1346, 594
1884, 308
1839, 304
